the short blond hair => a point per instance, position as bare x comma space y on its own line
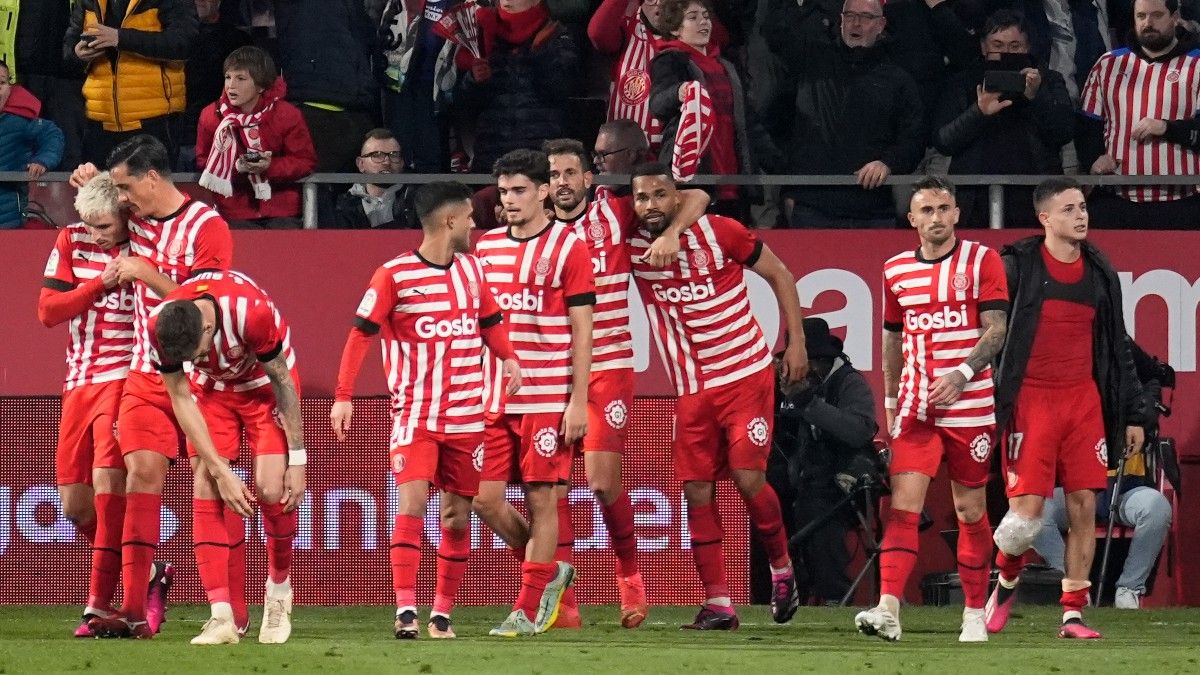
97, 197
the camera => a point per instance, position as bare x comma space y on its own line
1007, 83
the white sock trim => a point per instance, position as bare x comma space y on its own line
222, 610
723, 601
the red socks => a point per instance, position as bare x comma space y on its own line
106, 550
566, 546
1074, 601
534, 577
974, 553
705, 527
139, 541
763, 509
405, 555
898, 552
451, 568
235, 530
618, 518
1010, 565
280, 529
210, 540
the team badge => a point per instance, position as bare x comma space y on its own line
1102, 451
699, 259
1012, 479
477, 458
616, 414
545, 442
635, 87
175, 248
1173, 75
960, 282
758, 432
398, 462
597, 231
542, 267
981, 448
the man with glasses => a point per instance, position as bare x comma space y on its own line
620, 146
377, 205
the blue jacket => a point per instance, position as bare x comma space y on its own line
24, 139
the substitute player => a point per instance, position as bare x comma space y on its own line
436, 314
717, 356
1066, 391
243, 381
541, 275
81, 288
610, 389
172, 237
944, 307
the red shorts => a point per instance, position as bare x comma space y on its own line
525, 448
725, 427
227, 413
610, 397
87, 432
919, 447
1056, 432
452, 462
146, 420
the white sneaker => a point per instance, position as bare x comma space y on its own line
974, 627
1127, 598
878, 621
277, 614
217, 631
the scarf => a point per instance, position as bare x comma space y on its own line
694, 133
514, 29
239, 130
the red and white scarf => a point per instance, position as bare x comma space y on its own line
226, 148
694, 133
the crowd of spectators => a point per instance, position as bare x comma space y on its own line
257, 94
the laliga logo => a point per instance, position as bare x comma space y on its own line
946, 318
121, 301
545, 442
427, 327
690, 293
523, 301
981, 447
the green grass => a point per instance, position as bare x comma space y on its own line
359, 639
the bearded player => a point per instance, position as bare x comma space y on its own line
436, 314
944, 309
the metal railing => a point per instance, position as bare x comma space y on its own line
995, 184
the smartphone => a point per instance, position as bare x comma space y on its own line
87, 39
252, 156
1008, 83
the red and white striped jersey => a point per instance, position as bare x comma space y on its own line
605, 227
936, 305
629, 98
1122, 89
535, 281
431, 317
699, 307
192, 239
101, 338
249, 332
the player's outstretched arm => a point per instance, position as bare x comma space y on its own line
287, 401
233, 491
893, 360
795, 356
947, 388
693, 203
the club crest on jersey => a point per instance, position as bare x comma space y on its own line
542, 267
616, 414
1102, 451
398, 462
1173, 75
545, 442
477, 458
981, 448
175, 249
699, 259
758, 432
597, 231
960, 282
634, 87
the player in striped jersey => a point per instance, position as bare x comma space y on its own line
436, 315
717, 356
243, 380
171, 238
541, 275
605, 226
1140, 106
81, 288
944, 309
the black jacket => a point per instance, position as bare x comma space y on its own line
1116, 377
328, 52
350, 214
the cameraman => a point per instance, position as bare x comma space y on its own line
825, 427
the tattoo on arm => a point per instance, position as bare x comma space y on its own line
892, 362
287, 400
995, 328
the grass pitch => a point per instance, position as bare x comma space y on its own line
359, 639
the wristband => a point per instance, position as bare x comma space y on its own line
966, 371
297, 457
890, 403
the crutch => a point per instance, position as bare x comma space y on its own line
1112, 519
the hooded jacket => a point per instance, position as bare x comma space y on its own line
24, 139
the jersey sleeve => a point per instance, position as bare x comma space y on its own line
1091, 99
993, 283
214, 246
626, 217
59, 274
262, 332
376, 303
736, 240
578, 281
893, 319
489, 309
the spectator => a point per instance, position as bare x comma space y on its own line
134, 54
854, 112
40, 68
205, 70
26, 144
251, 138
1139, 107
373, 205
620, 146
518, 89
419, 80
739, 143
328, 51
989, 132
